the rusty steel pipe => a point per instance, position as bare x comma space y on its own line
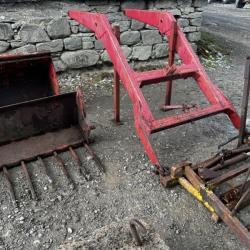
239, 150
208, 163
227, 176
230, 162
211, 173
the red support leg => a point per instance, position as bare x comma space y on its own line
171, 44
116, 30
145, 140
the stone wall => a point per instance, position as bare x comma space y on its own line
45, 26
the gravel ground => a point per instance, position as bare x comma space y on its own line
67, 217
226, 21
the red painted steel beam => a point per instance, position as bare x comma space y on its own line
162, 21
101, 26
145, 122
160, 75
183, 118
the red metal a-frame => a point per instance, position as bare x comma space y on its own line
133, 81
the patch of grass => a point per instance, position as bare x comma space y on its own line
102, 75
212, 52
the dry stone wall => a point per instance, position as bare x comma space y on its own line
45, 26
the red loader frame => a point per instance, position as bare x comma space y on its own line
133, 81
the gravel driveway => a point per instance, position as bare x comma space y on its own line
69, 217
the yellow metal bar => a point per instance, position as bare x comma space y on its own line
188, 186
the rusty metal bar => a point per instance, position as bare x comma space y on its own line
208, 163
9, 183
227, 176
207, 174
95, 158
231, 161
45, 154
116, 31
81, 169
244, 106
27, 175
184, 107
233, 223
193, 178
63, 167
242, 198
243, 149
225, 154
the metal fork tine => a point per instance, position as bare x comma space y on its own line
95, 158
81, 169
9, 183
62, 165
45, 168
27, 175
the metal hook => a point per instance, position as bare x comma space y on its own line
133, 223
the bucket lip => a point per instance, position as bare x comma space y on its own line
21, 56
38, 100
